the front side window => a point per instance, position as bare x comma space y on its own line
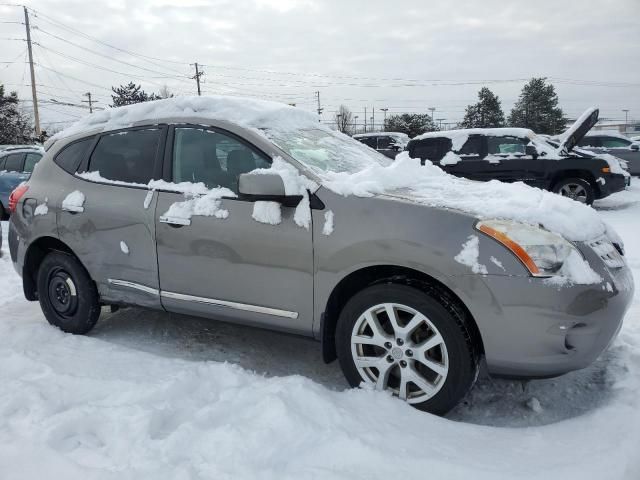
127, 156
589, 142
473, 147
506, 146
30, 161
613, 142
213, 158
14, 162
70, 157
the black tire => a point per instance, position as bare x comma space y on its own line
447, 317
564, 186
68, 297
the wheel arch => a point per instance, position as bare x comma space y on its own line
576, 173
377, 274
34, 255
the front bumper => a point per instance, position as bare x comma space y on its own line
613, 183
530, 328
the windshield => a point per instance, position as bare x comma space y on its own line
326, 151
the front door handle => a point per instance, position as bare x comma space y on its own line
175, 221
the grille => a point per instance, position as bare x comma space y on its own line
607, 252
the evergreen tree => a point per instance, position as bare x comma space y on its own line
412, 124
15, 127
129, 94
537, 108
487, 113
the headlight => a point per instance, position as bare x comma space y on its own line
541, 251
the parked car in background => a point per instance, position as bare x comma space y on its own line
387, 143
16, 166
519, 155
615, 144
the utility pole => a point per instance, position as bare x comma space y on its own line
439, 120
373, 119
90, 102
626, 119
196, 77
320, 109
355, 124
36, 114
433, 109
365, 119
384, 124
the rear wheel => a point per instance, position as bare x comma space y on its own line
409, 342
577, 189
68, 296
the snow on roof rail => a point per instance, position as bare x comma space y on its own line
247, 112
459, 137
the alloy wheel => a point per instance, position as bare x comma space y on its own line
395, 347
575, 192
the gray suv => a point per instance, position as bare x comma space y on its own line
192, 211
615, 144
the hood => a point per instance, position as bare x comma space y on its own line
570, 138
430, 186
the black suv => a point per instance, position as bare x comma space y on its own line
517, 154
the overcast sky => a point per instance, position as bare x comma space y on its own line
404, 56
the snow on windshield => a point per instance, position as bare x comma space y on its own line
324, 150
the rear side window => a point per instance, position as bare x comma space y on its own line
613, 142
3, 160
589, 142
369, 141
70, 157
473, 147
30, 161
126, 156
14, 162
432, 149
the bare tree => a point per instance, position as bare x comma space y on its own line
344, 119
165, 92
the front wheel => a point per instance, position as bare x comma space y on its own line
577, 189
410, 342
68, 297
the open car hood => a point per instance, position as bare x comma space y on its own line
570, 138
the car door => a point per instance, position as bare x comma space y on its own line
113, 230
233, 267
508, 159
624, 149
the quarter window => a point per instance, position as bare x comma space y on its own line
70, 157
213, 158
127, 156
30, 161
14, 162
506, 145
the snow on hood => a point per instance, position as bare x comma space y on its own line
570, 137
406, 178
246, 112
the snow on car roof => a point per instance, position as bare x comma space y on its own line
246, 112
459, 137
377, 134
607, 133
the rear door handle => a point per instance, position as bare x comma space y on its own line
175, 221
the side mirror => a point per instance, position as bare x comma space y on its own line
635, 147
530, 151
265, 187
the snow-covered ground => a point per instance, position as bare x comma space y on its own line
152, 395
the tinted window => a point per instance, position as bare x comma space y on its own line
385, 143
473, 147
14, 162
70, 157
30, 161
213, 158
589, 142
613, 142
369, 141
429, 149
3, 160
506, 145
126, 156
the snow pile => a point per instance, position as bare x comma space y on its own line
74, 200
469, 255
42, 209
124, 247
327, 228
497, 262
429, 185
574, 270
247, 112
267, 212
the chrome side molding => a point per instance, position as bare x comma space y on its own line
135, 286
235, 305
